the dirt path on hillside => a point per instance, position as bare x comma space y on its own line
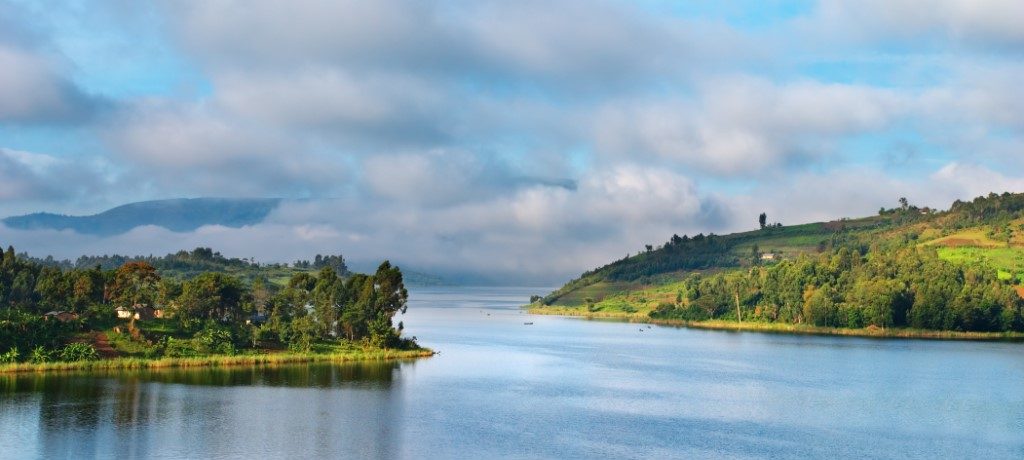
102, 345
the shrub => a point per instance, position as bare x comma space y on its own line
178, 348
215, 340
78, 352
10, 357
39, 355
303, 334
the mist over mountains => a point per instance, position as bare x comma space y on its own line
178, 215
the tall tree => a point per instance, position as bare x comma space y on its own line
134, 283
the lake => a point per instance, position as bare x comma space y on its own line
559, 388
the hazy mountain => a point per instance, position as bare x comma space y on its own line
179, 215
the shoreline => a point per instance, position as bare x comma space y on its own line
265, 359
781, 328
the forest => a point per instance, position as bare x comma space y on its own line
844, 288
50, 312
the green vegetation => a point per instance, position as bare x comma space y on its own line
52, 316
250, 359
184, 265
906, 272
1008, 263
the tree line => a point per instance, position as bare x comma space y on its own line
909, 287
209, 312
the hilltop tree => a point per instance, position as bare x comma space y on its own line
134, 283
762, 220
211, 295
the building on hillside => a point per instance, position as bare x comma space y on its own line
139, 312
145, 312
62, 316
256, 319
769, 256
124, 312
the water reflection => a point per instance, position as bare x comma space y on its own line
194, 412
308, 375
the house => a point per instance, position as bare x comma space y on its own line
256, 319
62, 316
145, 312
769, 256
124, 312
139, 312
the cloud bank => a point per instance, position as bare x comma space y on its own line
511, 141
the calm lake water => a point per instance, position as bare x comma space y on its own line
560, 388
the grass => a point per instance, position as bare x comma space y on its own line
975, 237
1008, 263
596, 291
336, 355
780, 328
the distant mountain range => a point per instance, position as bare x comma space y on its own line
179, 215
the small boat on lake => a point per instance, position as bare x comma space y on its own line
528, 324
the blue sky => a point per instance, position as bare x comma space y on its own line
491, 135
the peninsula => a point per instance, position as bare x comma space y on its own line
906, 272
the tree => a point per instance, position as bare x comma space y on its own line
328, 296
9, 257
755, 255
52, 288
370, 303
763, 220
87, 287
213, 296
820, 307
134, 283
904, 204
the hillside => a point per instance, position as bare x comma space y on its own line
681, 256
978, 246
179, 215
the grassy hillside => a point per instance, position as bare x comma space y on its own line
985, 234
712, 253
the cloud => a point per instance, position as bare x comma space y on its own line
536, 234
581, 40
35, 84
743, 125
364, 108
983, 23
861, 191
971, 180
21, 175
189, 148
33, 90
28, 179
522, 140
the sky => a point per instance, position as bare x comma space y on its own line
515, 141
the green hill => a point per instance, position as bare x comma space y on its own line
978, 244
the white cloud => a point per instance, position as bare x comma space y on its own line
973, 22
361, 105
187, 149
971, 180
743, 125
33, 90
